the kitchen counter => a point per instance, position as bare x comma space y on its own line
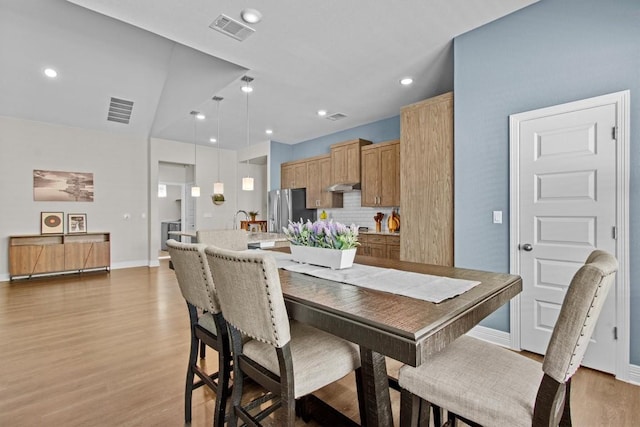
383, 233
267, 240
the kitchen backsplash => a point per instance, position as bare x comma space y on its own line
353, 213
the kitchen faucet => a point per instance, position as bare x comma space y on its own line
235, 218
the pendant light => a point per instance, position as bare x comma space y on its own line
195, 190
218, 186
247, 182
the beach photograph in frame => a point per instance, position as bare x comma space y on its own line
76, 223
57, 186
51, 223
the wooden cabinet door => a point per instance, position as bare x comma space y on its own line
75, 255
339, 165
370, 177
378, 250
389, 188
426, 200
286, 176
352, 173
300, 175
99, 255
34, 259
313, 184
327, 199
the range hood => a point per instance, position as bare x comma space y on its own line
343, 188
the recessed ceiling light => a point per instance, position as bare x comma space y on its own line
251, 16
322, 113
213, 140
50, 72
268, 131
406, 81
200, 116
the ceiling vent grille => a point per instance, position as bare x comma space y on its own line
335, 116
120, 110
231, 27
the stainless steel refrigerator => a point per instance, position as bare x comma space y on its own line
285, 205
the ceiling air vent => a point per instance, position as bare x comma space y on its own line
120, 110
335, 116
231, 27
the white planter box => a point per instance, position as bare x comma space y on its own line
335, 259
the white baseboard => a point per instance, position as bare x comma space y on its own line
131, 264
491, 335
634, 374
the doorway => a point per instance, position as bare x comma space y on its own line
569, 193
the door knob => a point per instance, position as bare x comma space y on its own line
528, 247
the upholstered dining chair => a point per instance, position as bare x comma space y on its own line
207, 325
236, 240
287, 358
483, 384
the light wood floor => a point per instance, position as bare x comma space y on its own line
111, 350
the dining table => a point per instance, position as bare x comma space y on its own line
385, 324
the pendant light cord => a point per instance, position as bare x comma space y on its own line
218, 136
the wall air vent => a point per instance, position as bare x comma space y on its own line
231, 27
120, 110
335, 116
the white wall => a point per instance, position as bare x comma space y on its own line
120, 175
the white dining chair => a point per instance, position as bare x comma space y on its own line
287, 358
236, 240
207, 325
483, 384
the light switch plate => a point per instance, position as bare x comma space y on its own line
497, 217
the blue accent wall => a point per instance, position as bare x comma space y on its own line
279, 153
552, 52
382, 130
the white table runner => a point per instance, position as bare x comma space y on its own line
415, 285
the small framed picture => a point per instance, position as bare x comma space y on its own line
51, 222
76, 223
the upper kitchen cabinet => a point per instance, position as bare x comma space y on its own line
380, 174
426, 173
293, 174
345, 161
318, 179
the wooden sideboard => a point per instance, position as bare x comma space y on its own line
37, 254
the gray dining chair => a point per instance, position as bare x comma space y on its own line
287, 358
483, 384
236, 240
207, 325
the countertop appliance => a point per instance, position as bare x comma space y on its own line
285, 205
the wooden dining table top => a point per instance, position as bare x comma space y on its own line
403, 328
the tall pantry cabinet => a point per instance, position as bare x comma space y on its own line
426, 177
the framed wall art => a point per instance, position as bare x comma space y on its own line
57, 186
51, 222
76, 223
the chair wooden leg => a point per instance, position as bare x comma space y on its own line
565, 421
203, 350
413, 410
222, 391
437, 415
360, 394
188, 391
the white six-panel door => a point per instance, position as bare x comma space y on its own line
567, 185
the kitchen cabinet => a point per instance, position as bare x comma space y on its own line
293, 174
345, 161
318, 179
426, 173
43, 254
379, 245
380, 174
